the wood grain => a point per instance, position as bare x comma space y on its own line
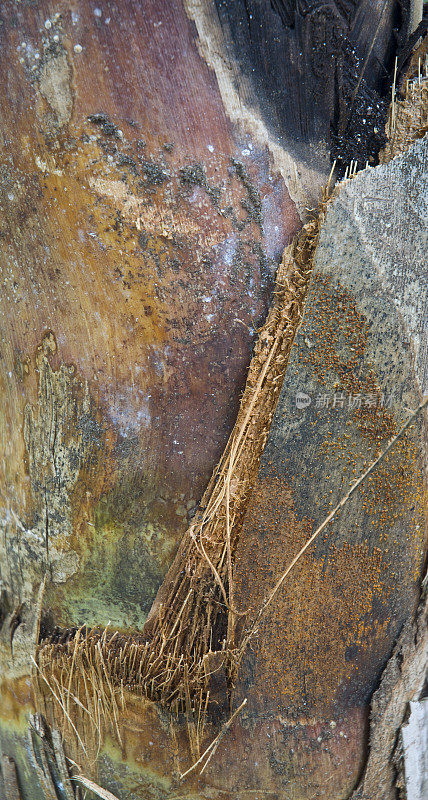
140, 234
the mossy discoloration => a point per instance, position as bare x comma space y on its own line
59, 443
107, 127
196, 175
86, 548
253, 204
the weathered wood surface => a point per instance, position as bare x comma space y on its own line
140, 232
145, 203
316, 72
359, 367
138, 253
403, 683
415, 746
320, 650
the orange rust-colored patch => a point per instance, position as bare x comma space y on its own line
332, 318
338, 332
331, 621
396, 490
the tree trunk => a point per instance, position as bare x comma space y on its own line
196, 370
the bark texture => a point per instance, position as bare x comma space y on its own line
156, 161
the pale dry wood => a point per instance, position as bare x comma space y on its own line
104, 794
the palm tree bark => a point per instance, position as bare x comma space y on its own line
157, 160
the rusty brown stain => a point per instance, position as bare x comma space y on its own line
343, 586
337, 332
322, 645
344, 590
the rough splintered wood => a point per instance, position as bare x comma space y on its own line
403, 680
415, 751
359, 366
